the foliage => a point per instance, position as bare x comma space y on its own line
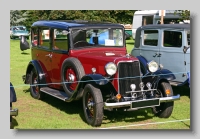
185, 14
115, 16
14, 16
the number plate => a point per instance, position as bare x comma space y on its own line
145, 103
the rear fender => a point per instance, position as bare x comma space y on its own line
35, 64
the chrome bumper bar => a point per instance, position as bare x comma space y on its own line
131, 103
14, 112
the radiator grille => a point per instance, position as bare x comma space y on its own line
130, 70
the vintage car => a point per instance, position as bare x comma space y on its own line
13, 98
70, 67
18, 31
169, 46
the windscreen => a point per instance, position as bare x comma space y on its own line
98, 37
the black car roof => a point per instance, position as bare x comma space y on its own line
159, 26
64, 24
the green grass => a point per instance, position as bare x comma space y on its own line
52, 113
129, 45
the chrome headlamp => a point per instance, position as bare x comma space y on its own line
110, 68
152, 66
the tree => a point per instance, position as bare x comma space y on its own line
185, 14
15, 15
115, 16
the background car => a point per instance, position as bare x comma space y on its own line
13, 98
18, 31
169, 46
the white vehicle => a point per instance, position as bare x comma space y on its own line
146, 17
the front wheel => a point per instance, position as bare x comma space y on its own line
34, 86
93, 105
165, 109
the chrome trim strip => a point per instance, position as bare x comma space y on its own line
128, 103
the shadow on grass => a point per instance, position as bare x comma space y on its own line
127, 116
182, 90
76, 107
181, 122
14, 123
24, 53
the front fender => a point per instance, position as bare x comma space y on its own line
165, 74
35, 64
143, 64
95, 79
98, 79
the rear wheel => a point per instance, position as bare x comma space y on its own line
165, 109
93, 105
34, 86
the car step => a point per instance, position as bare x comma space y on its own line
55, 93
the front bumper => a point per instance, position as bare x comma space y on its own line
144, 103
14, 112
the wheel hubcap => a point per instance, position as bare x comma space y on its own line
71, 79
90, 106
35, 82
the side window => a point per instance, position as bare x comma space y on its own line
44, 40
34, 36
60, 41
188, 37
172, 39
150, 37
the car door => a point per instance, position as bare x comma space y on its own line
171, 53
42, 53
60, 50
149, 47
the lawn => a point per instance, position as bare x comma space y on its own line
52, 113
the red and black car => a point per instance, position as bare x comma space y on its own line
69, 64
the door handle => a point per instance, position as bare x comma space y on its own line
49, 55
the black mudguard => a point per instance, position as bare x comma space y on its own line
95, 79
35, 64
163, 73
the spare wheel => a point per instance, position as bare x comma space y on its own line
72, 71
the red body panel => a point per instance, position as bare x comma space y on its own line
89, 57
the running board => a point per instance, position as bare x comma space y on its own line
55, 93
